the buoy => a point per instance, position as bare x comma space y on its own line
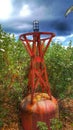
43, 109
37, 106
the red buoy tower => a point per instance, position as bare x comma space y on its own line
36, 44
36, 47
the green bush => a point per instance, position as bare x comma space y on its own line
56, 124
42, 125
14, 66
59, 61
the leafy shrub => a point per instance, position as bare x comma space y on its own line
59, 61
56, 124
15, 61
42, 125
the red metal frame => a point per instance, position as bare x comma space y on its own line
36, 48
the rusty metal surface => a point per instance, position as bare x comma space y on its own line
37, 106
37, 48
42, 109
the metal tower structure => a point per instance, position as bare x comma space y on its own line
36, 44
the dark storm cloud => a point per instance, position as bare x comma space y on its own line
55, 23
61, 27
38, 2
50, 14
19, 26
51, 6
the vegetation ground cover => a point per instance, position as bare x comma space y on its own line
14, 68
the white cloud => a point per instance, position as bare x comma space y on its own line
5, 9
59, 38
63, 39
35, 12
70, 35
25, 11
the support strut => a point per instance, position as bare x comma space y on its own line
37, 46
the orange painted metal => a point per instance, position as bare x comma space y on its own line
42, 109
36, 47
37, 106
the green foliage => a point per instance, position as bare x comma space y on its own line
1, 123
59, 61
56, 124
14, 68
42, 125
15, 61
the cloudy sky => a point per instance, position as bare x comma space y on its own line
16, 16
